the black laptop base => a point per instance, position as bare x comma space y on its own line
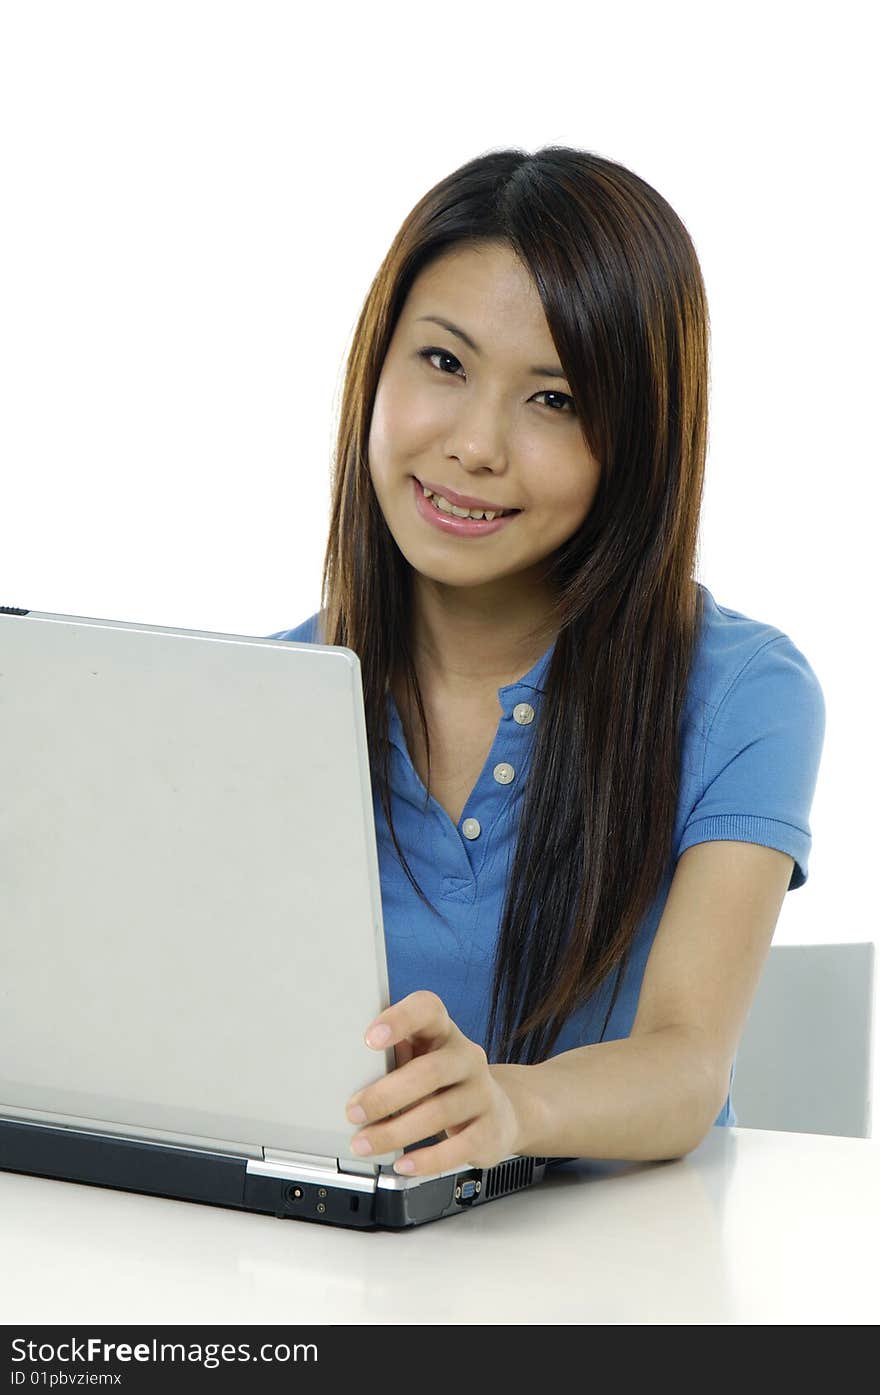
221, 1179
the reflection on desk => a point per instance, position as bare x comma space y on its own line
752, 1227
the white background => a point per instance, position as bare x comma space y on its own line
196, 196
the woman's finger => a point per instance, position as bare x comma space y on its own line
403, 1052
407, 1085
454, 1107
462, 1151
420, 1016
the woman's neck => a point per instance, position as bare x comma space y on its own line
460, 645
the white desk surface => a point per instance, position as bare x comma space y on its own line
752, 1227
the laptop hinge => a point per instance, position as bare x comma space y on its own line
358, 1167
281, 1155
310, 1167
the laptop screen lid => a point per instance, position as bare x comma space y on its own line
191, 940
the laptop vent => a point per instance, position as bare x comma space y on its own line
509, 1177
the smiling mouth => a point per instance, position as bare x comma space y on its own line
475, 513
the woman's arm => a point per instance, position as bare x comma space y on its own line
656, 1093
652, 1095
646, 1097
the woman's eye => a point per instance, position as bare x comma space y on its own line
438, 353
563, 397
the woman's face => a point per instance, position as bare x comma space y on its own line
489, 420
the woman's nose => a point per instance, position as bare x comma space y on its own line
478, 436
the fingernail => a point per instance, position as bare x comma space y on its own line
361, 1145
404, 1165
357, 1115
377, 1036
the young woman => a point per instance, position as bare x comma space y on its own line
592, 783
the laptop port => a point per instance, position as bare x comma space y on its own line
468, 1188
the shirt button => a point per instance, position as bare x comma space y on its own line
471, 828
504, 773
523, 713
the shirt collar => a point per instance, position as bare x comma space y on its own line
534, 679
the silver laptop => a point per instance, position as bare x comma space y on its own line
191, 940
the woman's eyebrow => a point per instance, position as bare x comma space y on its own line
554, 372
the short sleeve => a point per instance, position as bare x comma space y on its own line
303, 633
761, 758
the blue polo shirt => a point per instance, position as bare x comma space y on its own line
753, 729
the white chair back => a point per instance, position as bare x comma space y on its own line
804, 1058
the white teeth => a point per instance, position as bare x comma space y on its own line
446, 507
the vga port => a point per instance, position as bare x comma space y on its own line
468, 1188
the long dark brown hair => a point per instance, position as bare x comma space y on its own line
625, 303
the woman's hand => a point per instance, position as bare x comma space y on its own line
443, 1081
